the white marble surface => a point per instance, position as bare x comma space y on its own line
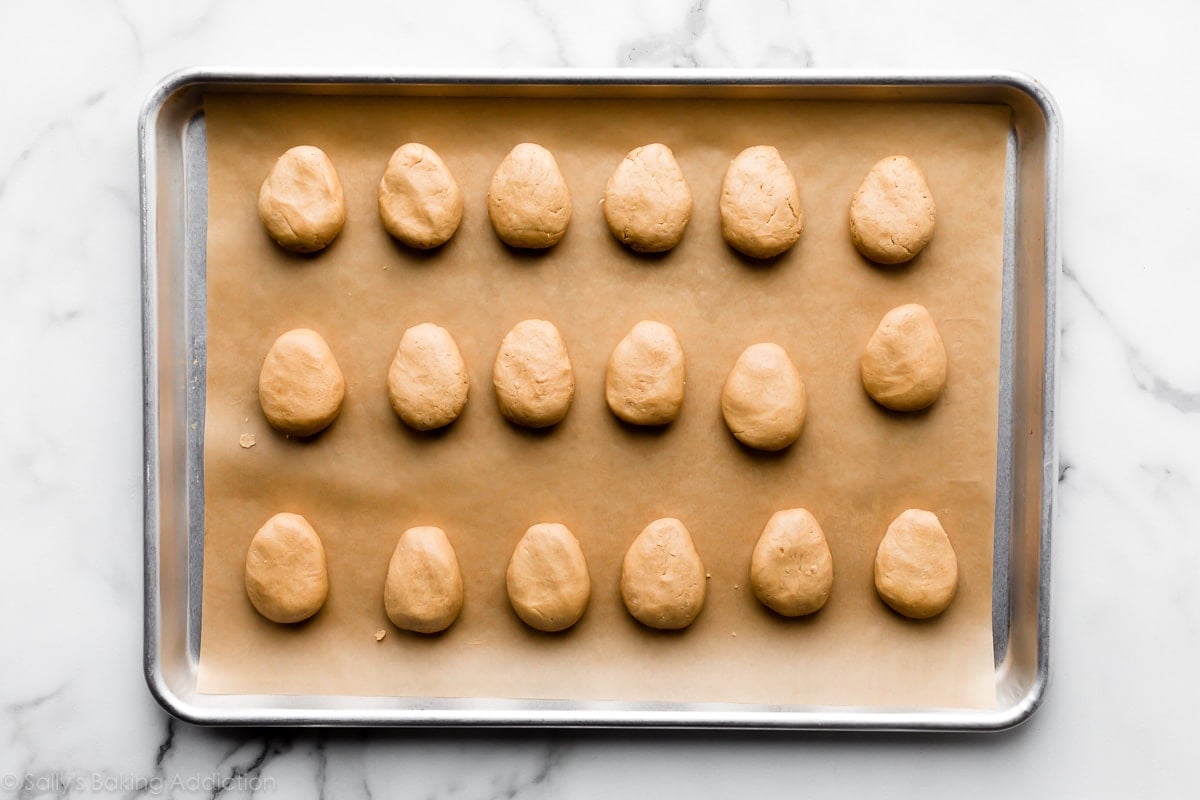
75, 716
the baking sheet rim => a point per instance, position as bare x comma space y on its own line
895, 719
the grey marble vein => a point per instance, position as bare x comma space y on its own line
41, 138
252, 768
672, 50
322, 768
700, 40
548, 21
164, 749
18, 712
147, 783
515, 787
134, 33
187, 30
1146, 378
24, 706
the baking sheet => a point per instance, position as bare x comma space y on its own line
368, 478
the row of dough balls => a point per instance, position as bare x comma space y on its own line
647, 203
663, 580
764, 401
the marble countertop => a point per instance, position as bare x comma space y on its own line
75, 716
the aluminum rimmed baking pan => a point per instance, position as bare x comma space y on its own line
175, 206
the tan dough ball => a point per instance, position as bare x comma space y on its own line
301, 202
532, 375
764, 401
300, 386
427, 382
892, 213
548, 583
286, 577
420, 203
916, 570
760, 205
791, 569
662, 577
647, 203
904, 364
424, 587
528, 201
645, 380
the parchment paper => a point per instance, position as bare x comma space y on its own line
367, 478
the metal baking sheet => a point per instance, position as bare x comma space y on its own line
174, 175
